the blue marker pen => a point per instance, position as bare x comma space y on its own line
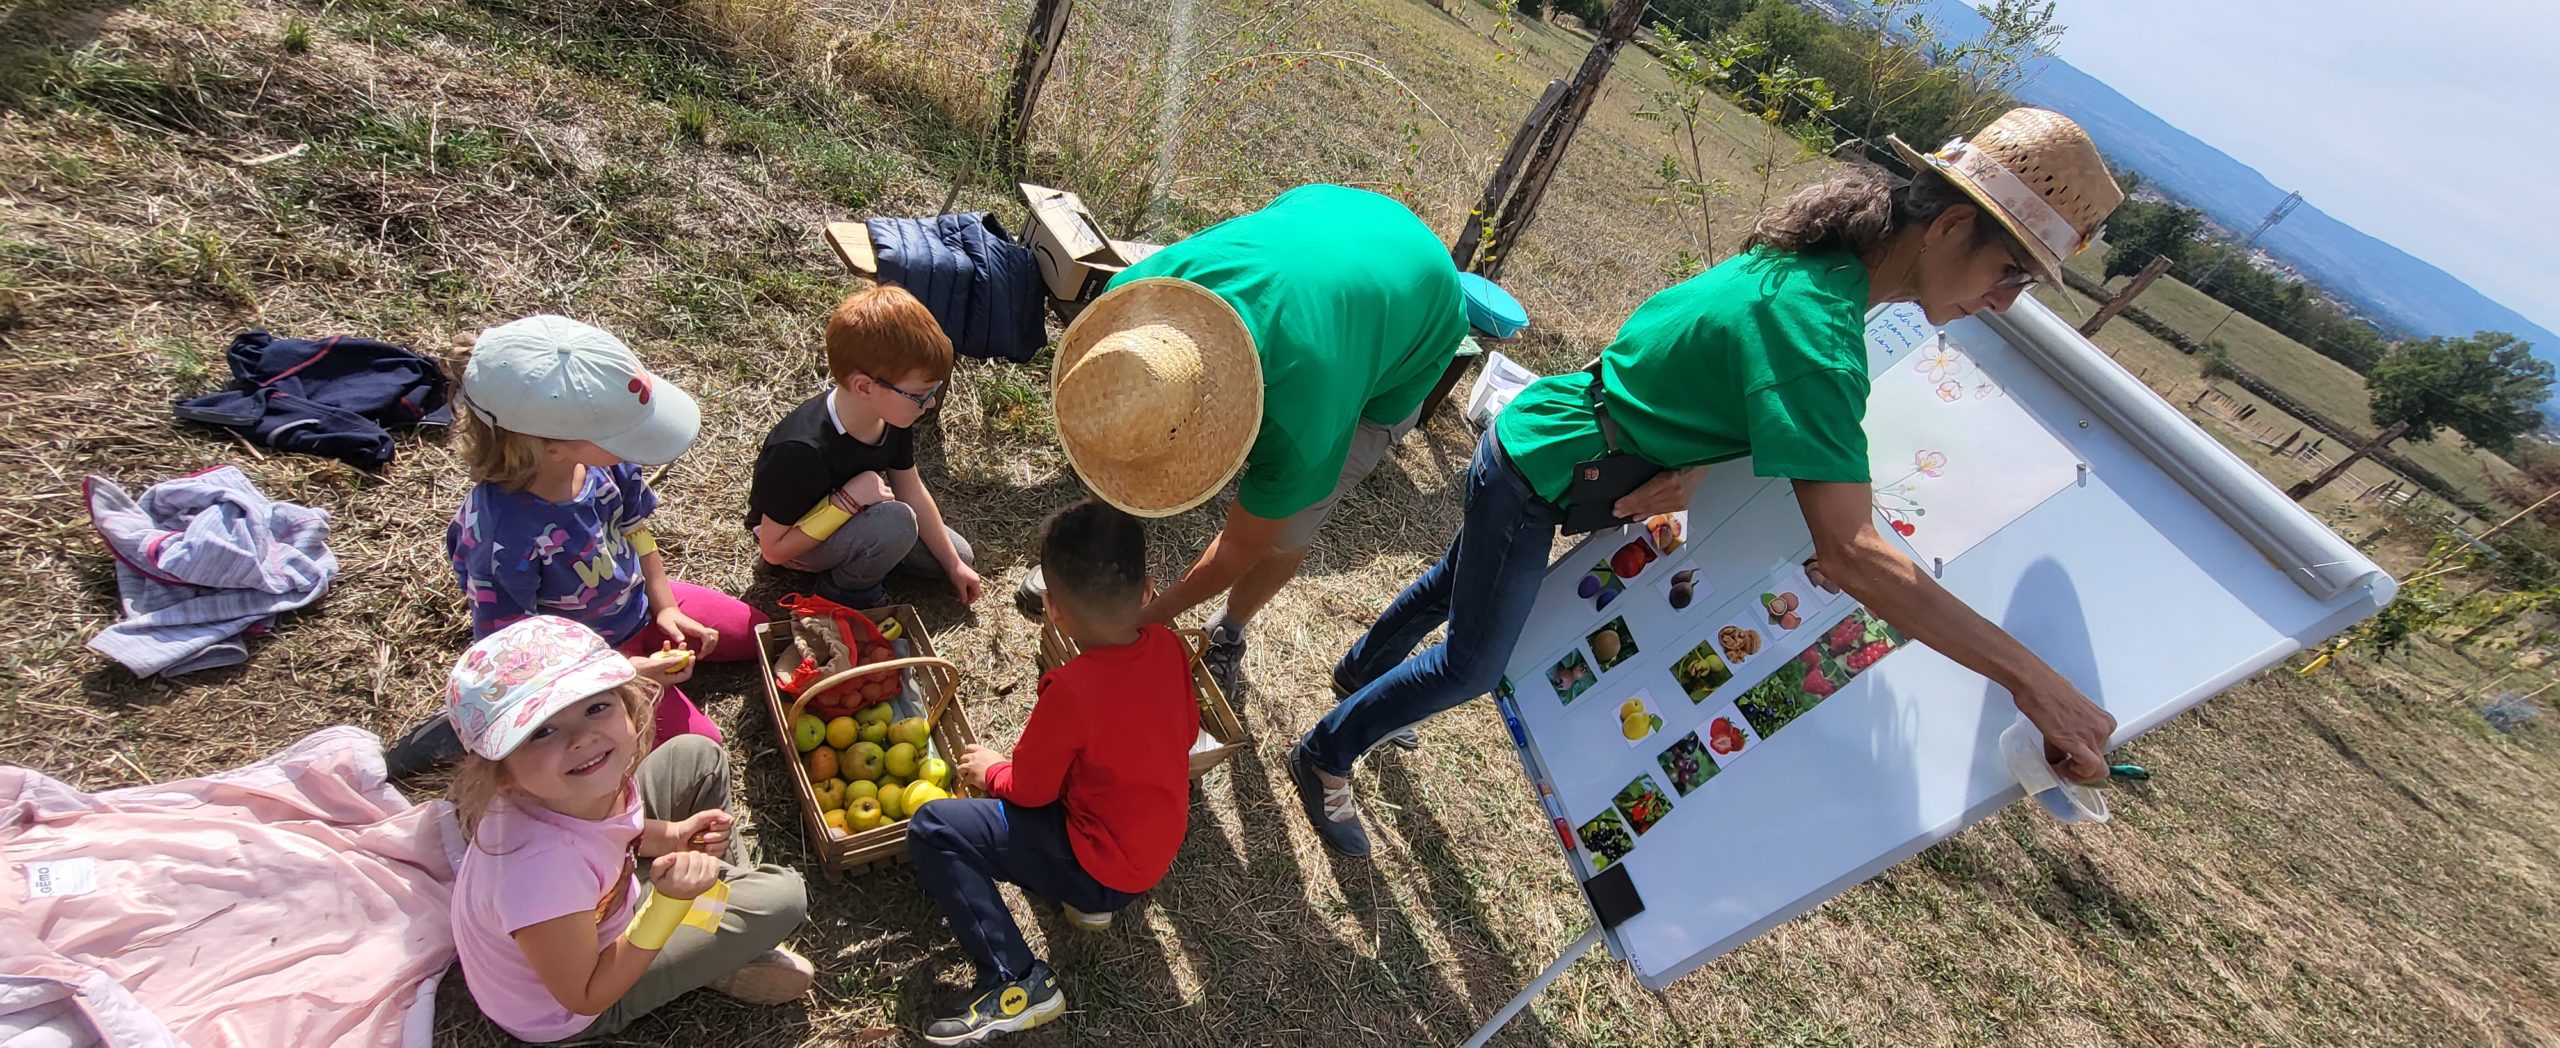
1511, 720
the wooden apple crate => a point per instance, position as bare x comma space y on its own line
1216, 717
931, 692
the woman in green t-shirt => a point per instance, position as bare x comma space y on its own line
1763, 355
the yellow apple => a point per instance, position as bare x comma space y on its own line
891, 797
934, 770
862, 814
836, 825
921, 794
840, 732
830, 794
859, 789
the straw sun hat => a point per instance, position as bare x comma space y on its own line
2038, 174
1158, 392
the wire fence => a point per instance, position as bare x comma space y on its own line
1169, 115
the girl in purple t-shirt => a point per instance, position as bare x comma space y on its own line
567, 809
559, 415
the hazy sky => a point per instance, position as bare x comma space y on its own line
2433, 126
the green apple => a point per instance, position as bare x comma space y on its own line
862, 761
889, 801
912, 731
902, 761
874, 714
935, 770
859, 789
808, 733
875, 733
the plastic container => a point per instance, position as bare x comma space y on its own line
2023, 747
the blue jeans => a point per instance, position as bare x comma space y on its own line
1482, 588
961, 847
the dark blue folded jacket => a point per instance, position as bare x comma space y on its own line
982, 287
332, 396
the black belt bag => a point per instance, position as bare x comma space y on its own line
1598, 484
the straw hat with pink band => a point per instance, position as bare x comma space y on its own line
2038, 175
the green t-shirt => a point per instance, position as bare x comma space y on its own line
1355, 309
1764, 355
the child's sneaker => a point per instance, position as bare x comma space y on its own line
1086, 922
778, 977
1002, 1009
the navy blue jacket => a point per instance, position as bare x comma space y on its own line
983, 288
328, 397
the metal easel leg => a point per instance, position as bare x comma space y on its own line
1536, 986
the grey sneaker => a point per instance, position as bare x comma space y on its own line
1408, 739
1224, 657
1335, 815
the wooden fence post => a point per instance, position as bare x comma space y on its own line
1472, 235
2159, 264
1031, 69
2303, 490
1614, 32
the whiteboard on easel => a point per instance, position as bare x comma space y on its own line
1696, 704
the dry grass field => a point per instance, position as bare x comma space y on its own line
2350, 858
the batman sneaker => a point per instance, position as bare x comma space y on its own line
1002, 1009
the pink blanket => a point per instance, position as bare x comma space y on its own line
297, 901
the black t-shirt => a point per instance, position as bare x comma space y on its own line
806, 456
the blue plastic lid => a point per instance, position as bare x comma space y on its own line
1491, 310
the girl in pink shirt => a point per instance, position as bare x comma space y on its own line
567, 810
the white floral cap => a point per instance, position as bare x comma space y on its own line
511, 681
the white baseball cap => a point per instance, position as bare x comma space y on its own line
550, 376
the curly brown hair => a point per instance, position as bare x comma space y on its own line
1861, 209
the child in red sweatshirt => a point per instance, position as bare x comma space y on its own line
1094, 803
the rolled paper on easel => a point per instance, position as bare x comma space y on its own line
2023, 747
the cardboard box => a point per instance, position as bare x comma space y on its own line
1075, 258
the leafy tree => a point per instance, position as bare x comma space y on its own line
2488, 387
2022, 33
2139, 231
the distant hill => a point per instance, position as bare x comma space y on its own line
2394, 288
